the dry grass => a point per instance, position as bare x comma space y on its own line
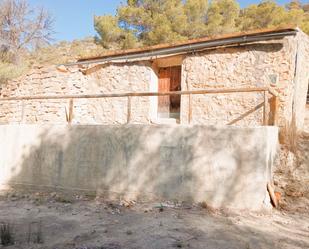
6, 234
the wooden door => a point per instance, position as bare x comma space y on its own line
169, 80
164, 86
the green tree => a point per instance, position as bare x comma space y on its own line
294, 4
267, 14
154, 21
159, 21
148, 22
108, 29
196, 13
222, 16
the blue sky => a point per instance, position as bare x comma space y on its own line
74, 18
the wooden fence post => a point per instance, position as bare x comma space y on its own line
266, 109
70, 111
274, 106
190, 109
129, 110
22, 111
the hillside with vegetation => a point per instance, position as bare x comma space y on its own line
26, 33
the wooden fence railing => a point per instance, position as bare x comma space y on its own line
269, 105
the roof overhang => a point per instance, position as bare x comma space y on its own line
163, 50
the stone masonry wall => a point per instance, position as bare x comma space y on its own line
48, 81
301, 81
270, 63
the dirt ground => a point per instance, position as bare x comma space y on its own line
49, 221
291, 172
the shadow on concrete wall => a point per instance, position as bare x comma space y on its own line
80, 159
222, 166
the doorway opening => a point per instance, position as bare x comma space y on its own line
169, 80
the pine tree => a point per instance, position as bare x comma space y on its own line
222, 16
148, 22
196, 14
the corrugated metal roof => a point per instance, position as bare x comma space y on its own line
190, 42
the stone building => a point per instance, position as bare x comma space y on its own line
274, 58
242, 79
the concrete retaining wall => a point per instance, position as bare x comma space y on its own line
224, 166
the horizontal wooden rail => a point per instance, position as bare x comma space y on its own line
140, 94
270, 106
